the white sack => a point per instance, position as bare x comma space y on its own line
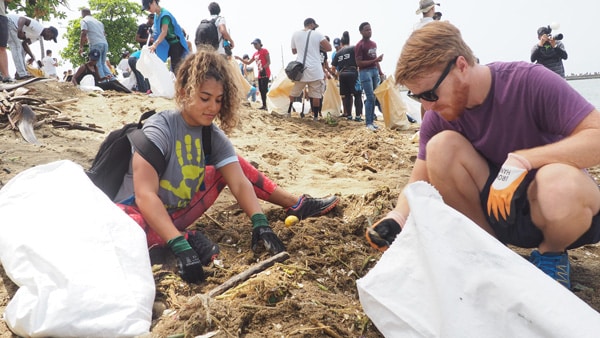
278, 96
81, 264
445, 277
88, 84
155, 70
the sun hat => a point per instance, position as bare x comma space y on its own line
425, 6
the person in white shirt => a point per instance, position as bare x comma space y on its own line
123, 66
22, 31
49, 65
427, 7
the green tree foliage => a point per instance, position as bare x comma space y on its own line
120, 25
38, 9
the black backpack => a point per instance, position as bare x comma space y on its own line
112, 160
207, 33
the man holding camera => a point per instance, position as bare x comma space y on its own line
549, 51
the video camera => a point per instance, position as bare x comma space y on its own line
558, 36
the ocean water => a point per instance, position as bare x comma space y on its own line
589, 88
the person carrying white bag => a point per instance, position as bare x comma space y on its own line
506, 144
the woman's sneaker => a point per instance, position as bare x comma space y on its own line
555, 265
207, 251
309, 206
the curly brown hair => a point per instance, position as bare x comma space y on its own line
429, 49
203, 65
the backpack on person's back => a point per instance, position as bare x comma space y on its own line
114, 155
207, 33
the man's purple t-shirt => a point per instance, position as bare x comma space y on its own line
527, 106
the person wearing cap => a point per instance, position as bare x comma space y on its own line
248, 74
263, 65
91, 68
143, 32
22, 31
506, 144
427, 8
313, 76
169, 38
370, 72
92, 33
344, 63
549, 51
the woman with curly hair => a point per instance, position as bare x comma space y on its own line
166, 205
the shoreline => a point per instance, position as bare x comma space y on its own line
582, 77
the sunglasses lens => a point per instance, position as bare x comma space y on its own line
429, 96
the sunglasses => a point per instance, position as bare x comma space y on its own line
430, 95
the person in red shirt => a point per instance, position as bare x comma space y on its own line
263, 63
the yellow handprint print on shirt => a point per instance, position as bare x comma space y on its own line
192, 172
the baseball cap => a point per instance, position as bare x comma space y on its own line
245, 56
425, 6
309, 21
544, 30
257, 40
94, 55
146, 4
54, 32
336, 42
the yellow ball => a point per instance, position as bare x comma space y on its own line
291, 220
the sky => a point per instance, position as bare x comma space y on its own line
495, 30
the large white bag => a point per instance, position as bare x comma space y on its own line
445, 277
162, 81
80, 262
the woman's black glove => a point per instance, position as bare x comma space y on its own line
188, 262
261, 231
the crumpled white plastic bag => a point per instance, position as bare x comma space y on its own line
81, 264
444, 276
88, 84
162, 81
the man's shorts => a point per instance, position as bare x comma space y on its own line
3, 32
315, 89
523, 233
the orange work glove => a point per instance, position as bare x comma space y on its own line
384, 232
502, 192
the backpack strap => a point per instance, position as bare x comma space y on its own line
206, 141
148, 150
145, 116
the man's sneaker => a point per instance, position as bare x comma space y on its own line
8, 80
206, 250
310, 206
555, 265
371, 127
358, 119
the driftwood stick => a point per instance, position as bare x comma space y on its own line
242, 276
59, 103
48, 110
214, 220
29, 99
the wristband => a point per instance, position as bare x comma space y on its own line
259, 220
179, 244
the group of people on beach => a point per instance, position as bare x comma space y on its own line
506, 144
